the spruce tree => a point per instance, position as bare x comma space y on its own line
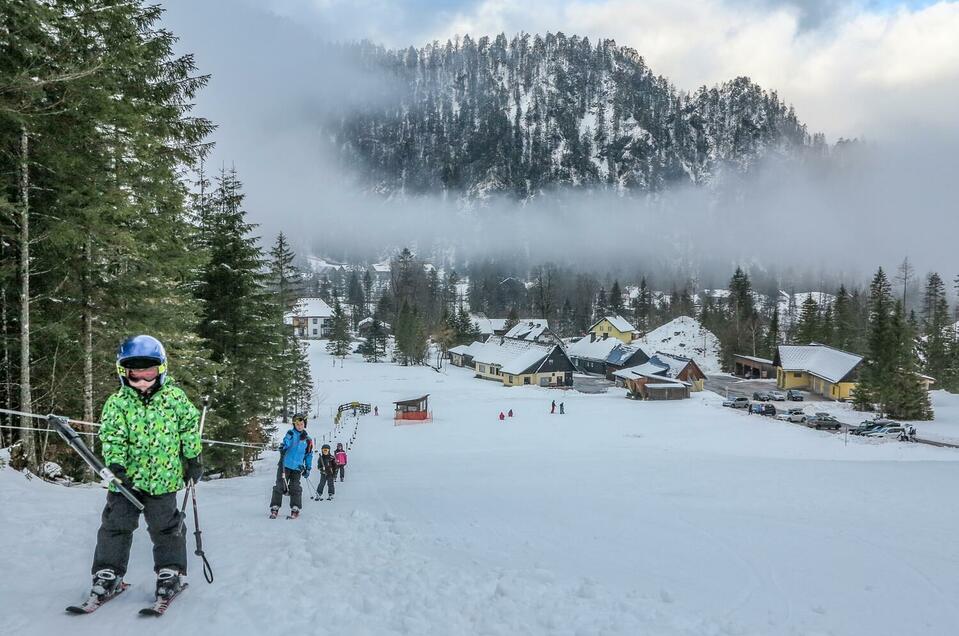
879, 366
906, 397
339, 343
241, 326
374, 349
616, 298
772, 335
935, 329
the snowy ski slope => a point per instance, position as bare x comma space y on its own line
618, 518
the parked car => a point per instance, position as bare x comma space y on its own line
872, 425
823, 420
777, 396
796, 416
761, 396
794, 395
886, 431
763, 408
738, 402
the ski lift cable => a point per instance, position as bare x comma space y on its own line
37, 416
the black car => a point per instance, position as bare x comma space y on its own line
763, 408
762, 396
794, 395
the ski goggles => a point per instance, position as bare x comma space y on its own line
141, 375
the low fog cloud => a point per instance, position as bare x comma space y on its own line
275, 79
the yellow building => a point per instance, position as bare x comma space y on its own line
614, 327
823, 370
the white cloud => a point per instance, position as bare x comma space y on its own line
863, 72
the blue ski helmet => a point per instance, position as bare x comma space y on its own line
141, 352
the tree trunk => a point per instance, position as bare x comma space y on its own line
7, 371
88, 333
26, 398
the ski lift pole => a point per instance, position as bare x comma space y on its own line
62, 426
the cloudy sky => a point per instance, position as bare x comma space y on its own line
885, 70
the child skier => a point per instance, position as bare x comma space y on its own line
151, 442
296, 457
326, 464
340, 457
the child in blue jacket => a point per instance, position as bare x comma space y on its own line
296, 458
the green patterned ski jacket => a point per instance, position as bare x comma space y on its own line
147, 438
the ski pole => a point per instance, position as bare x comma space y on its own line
70, 436
207, 569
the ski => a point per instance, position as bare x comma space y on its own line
161, 605
94, 602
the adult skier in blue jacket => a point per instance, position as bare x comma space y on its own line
296, 458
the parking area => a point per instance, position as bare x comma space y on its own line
730, 386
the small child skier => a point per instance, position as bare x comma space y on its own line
296, 458
326, 464
340, 457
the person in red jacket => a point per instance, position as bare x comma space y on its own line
340, 457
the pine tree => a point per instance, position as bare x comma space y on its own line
339, 343
512, 319
374, 349
772, 335
641, 307
906, 397
616, 298
241, 326
808, 329
355, 298
602, 305
935, 329
879, 366
844, 322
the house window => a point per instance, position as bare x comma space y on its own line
797, 374
526, 380
314, 332
544, 381
315, 320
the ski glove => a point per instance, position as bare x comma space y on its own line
120, 472
192, 470
306, 474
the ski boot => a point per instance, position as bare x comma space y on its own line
274, 510
330, 498
294, 513
106, 583
169, 584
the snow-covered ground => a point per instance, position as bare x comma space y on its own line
620, 517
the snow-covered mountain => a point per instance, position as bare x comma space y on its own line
517, 116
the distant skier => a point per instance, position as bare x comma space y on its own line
376, 410
340, 457
510, 413
552, 409
326, 464
151, 441
296, 458
501, 416
562, 408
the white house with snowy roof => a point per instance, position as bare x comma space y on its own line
604, 356
520, 362
310, 318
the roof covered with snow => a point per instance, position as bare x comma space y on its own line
312, 308
620, 323
684, 336
819, 360
501, 351
609, 350
531, 329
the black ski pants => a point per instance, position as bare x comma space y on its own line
326, 481
341, 469
120, 518
295, 490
